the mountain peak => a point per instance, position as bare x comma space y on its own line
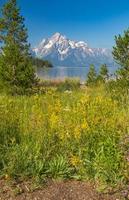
57, 36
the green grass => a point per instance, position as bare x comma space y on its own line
78, 134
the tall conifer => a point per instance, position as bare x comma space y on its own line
15, 63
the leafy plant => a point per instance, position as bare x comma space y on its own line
58, 167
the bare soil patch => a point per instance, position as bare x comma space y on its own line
59, 190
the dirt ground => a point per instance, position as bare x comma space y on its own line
61, 190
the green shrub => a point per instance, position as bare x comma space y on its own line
69, 84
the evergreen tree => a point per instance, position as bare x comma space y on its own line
91, 76
121, 54
15, 64
103, 73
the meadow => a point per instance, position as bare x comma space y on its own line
80, 134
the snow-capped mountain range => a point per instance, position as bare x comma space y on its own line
62, 51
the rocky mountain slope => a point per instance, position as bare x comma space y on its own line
62, 51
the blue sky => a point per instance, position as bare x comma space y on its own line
94, 21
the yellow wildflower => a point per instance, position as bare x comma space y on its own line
77, 132
84, 125
53, 120
75, 161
